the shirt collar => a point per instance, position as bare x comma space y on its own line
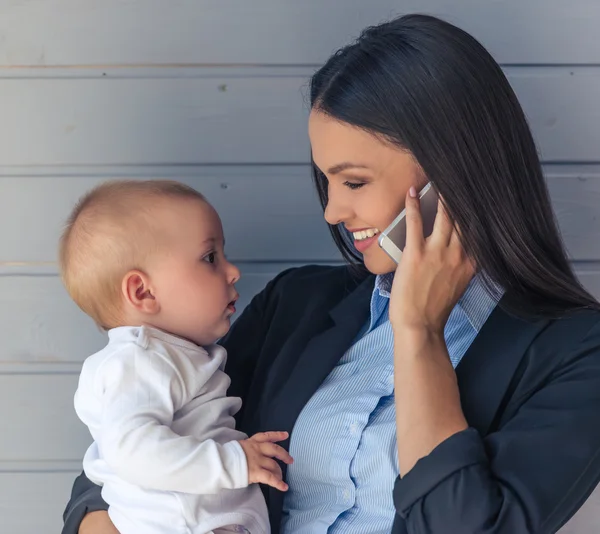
383, 284
477, 301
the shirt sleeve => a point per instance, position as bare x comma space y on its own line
139, 391
243, 343
530, 476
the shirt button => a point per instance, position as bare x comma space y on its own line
346, 494
353, 428
391, 380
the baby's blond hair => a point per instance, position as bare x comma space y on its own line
110, 232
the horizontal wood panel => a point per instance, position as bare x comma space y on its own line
37, 386
220, 119
40, 323
269, 213
576, 203
41, 419
41, 434
33, 503
590, 278
587, 518
236, 116
71, 32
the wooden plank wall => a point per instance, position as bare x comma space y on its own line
213, 93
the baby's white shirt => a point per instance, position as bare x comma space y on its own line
165, 447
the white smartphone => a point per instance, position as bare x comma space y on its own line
393, 238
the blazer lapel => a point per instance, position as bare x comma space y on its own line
316, 361
485, 372
320, 355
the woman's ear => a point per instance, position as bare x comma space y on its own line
138, 293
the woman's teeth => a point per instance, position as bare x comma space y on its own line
365, 234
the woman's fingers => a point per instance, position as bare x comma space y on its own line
443, 227
455, 242
414, 222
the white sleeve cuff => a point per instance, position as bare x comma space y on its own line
235, 463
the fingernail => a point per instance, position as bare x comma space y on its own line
412, 192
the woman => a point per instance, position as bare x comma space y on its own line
460, 394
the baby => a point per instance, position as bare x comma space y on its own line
145, 260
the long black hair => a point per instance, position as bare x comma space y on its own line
432, 89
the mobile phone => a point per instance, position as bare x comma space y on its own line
393, 238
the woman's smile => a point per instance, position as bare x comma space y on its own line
364, 238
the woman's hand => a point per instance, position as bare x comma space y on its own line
432, 275
97, 523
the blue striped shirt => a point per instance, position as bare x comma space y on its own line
344, 441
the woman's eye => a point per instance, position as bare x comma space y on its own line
353, 185
210, 258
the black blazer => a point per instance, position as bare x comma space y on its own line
530, 392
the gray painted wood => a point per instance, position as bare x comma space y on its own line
589, 275
40, 324
215, 119
46, 438
114, 32
47, 429
587, 519
91, 90
47, 490
233, 116
270, 214
48, 338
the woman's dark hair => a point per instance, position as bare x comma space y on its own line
430, 88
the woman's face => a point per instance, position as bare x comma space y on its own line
368, 180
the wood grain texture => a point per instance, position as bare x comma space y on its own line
218, 117
235, 116
40, 324
117, 32
214, 93
269, 213
587, 519
47, 430
33, 503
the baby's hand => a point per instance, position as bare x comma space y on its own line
260, 450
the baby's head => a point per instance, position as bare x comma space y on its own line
149, 253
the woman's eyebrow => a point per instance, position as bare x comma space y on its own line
345, 166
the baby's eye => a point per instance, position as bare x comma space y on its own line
210, 257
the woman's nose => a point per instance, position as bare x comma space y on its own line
336, 211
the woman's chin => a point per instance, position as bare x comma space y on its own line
378, 262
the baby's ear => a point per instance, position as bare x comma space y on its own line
137, 291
